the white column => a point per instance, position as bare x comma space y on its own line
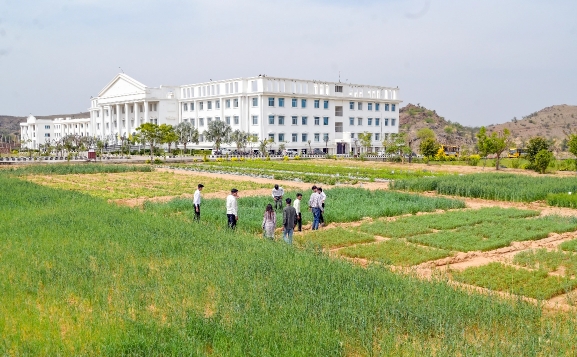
127, 119
117, 133
145, 111
136, 121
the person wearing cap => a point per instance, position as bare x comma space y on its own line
277, 193
232, 208
196, 202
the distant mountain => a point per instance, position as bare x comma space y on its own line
11, 125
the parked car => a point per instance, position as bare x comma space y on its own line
317, 151
291, 152
222, 151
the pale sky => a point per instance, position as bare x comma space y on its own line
474, 62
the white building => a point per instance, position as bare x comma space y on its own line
329, 115
35, 132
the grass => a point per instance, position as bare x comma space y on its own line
496, 276
488, 236
333, 238
67, 169
492, 186
562, 200
395, 252
342, 205
548, 260
123, 185
81, 277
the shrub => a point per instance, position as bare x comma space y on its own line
234, 159
157, 161
297, 157
285, 158
542, 160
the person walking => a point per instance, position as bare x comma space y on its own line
297, 206
277, 193
289, 216
323, 197
232, 208
315, 205
269, 222
196, 202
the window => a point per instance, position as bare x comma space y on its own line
326, 104
295, 120
209, 105
255, 120
304, 120
98, 126
338, 127
338, 89
46, 126
325, 120
185, 107
281, 102
351, 121
369, 121
235, 120
386, 136
303, 103
377, 137
280, 137
386, 107
227, 120
106, 112
191, 106
217, 118
271, 137
208, 121
295, 137
304, 137
377, 121
386, 121
393, 107
352, 105
359, 121
352, 135
200, 121
338, 111
360, 106
317, 103
280, 120
317, 120
326, 137
271, 102
235, 103
271, 119
217, 104
46, 135
227, 103
393, 120
193, 122
295, 103
317, 137
107, 125
200, 105
370, 106
377, 107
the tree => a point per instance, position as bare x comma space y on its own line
168, 134
542, 160
186, 133
252, 140
218, 132
572, 146
426, 133
149, 133
495, 143
535, 145
398, 145
263, 145
240, 138
429, 147
366, 140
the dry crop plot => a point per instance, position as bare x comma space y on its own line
140, 184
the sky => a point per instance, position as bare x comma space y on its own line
474, 62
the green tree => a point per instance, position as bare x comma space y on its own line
263, 145
429, 148
366, 140
218, 132
240, 138
535, 145
186, 133
542, 160
149, 133
426, 133
398, 144
495, 143
169, 136
572, 146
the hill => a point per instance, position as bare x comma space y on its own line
551, 123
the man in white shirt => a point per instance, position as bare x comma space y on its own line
316, 206
297, 206
232, 208
277, 193
196, 202
323, 197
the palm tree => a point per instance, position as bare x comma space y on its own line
218, 132
240, 138
186, 133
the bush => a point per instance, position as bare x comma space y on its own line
515, 163
234, 159
285, 158
297, 157
158, 161
542, 160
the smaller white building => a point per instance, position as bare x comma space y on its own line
35, 132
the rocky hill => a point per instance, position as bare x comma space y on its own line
551, 123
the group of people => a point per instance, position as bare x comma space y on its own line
292, 216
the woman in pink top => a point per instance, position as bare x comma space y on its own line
269, 222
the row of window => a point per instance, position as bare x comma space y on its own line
151, 107
377, 121
280, 120
376, 136
280, 102
295, 136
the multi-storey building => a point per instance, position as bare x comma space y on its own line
35, 132
301, 114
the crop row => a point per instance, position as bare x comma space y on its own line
493, 186
550, 261
83, 277
69, 169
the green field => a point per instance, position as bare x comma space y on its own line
80, 276
333, 238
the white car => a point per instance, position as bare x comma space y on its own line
291, 152
222, 151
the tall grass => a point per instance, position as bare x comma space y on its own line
81, 277
492, 186
67, 169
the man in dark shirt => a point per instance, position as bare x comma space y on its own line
289, 216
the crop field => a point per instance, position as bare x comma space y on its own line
532, 283
327, 173
491, 186
81, 276
123, 185
550, 261
342, 205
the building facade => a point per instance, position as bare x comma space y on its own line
301, 114
35, 132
